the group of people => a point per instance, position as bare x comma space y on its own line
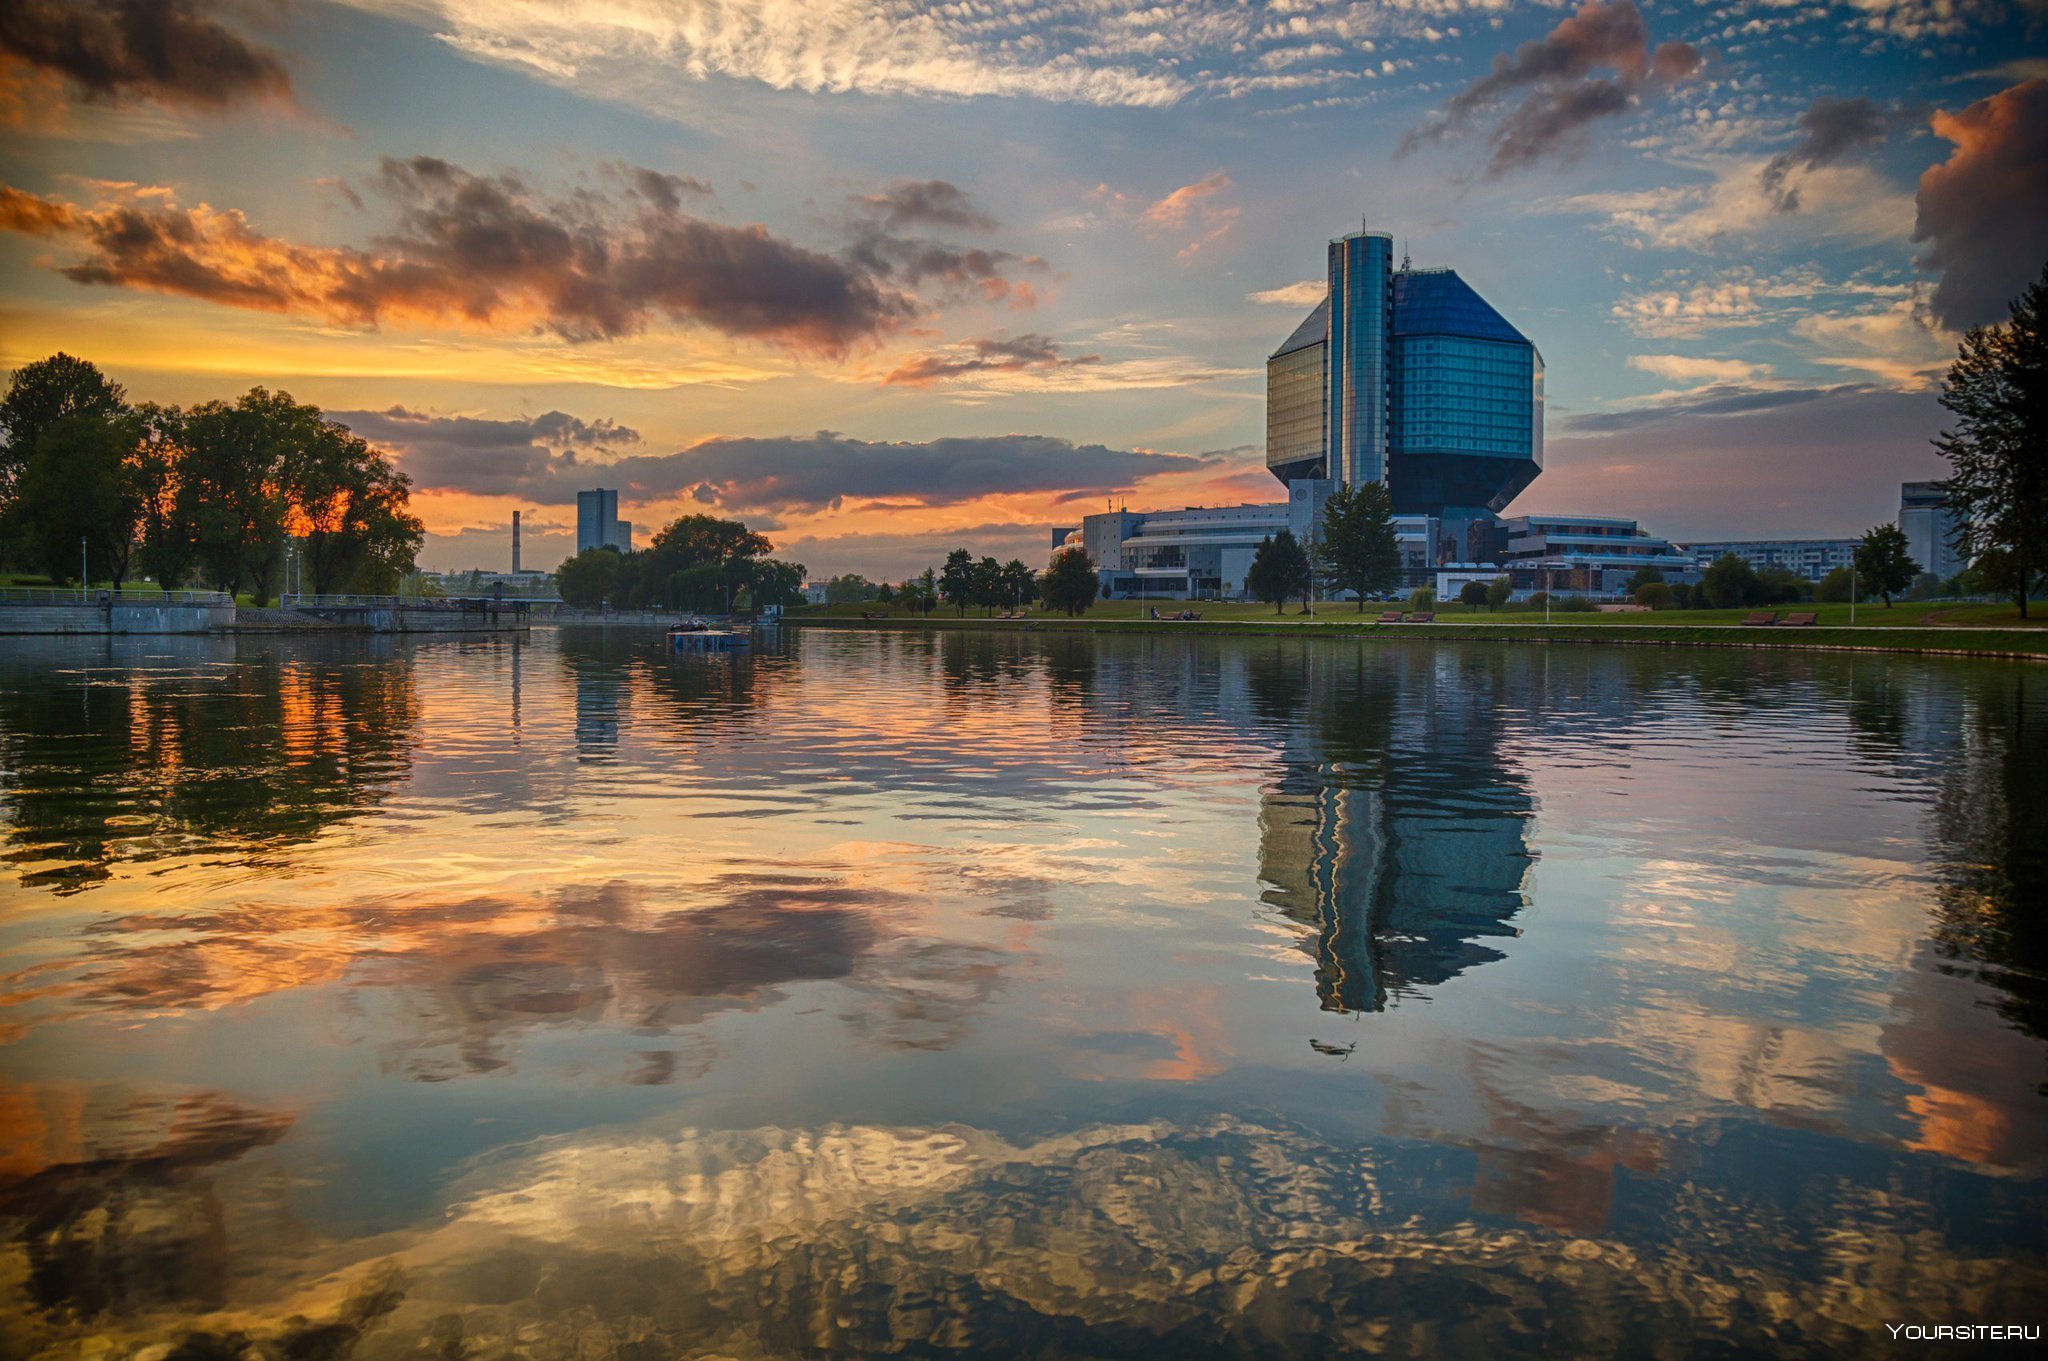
1185, 616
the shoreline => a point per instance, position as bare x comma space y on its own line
1996, 644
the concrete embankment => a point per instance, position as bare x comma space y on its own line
1990, 643
116, 617
49, 613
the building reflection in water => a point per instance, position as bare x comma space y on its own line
1397, 832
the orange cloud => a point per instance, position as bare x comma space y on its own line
1193, 207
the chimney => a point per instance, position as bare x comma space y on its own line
515, 543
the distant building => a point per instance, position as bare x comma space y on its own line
1588, 554
598, 524
1930, 526
1808, 558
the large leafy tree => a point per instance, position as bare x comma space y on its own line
349, 507
231, 485
1998, 449
167, 539
1069, 584
956, 580
1883, 565
1730, 583
589, 579
1356, 550
42, 393
1279, 571
78, 493
1020, 584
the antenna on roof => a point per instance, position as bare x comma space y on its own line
1404, 257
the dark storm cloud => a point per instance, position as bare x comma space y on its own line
1721, 399
999, 355
933, 203
488, 457
1831, 130
486, 251
662, 190
549, 457
916, 261
171, 51
1984, 210
1564, 97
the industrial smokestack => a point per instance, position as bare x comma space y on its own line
515, 543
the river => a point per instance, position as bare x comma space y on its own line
988, 993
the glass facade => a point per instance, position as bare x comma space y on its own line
1361, 322
1423, 386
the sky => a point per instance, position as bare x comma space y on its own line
883, 278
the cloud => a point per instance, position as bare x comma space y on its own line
169, 51
957, 270
1193, 208
1831, 130
1983, 212
549, 457
1716, 399
1897, 344
1848, 202
1564, 98
1687, 369
927, 202
481, 251
981, 357
1307, 293
1784, 464
489, 457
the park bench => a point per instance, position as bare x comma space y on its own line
1798, 621
1760, 619
1391, 617
1422, 617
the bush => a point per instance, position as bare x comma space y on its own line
1422, 598
1539, 600
1577, 604
1472, 594
1656, 595
1681, 596
1833, 588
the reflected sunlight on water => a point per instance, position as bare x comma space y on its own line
986, 993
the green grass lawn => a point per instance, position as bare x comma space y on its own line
1900, 615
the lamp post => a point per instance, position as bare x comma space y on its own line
84, 577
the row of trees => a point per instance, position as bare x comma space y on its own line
1354, 550
699, 562
92, 485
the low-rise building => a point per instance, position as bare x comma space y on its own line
1587, 554
1812, 559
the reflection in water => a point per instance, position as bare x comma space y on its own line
993, 994
112, 755
1397, 832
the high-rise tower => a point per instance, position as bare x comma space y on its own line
1406, 376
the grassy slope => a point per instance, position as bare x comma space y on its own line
1993, 629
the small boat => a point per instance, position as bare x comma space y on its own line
696, 635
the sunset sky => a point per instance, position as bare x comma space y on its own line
883, 278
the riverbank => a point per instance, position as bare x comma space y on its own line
2019, 644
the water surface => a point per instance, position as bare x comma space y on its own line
1001, 994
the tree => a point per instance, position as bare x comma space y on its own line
1834, 588
884, 595
1279, 570
78, 491
1654, 595
956, 581
1020, 584
349, 508
1643, 576
1682, 595
1422, 598
985, 579
848, 589
1498, 592
1356, 550
231, 486
589, 579
1883, 566
1472, 594
168, 540
42, 393
777, 583
1998, 450
1781, 586
1729, 583
1069, 583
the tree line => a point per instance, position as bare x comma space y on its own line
94, 486
698, 562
